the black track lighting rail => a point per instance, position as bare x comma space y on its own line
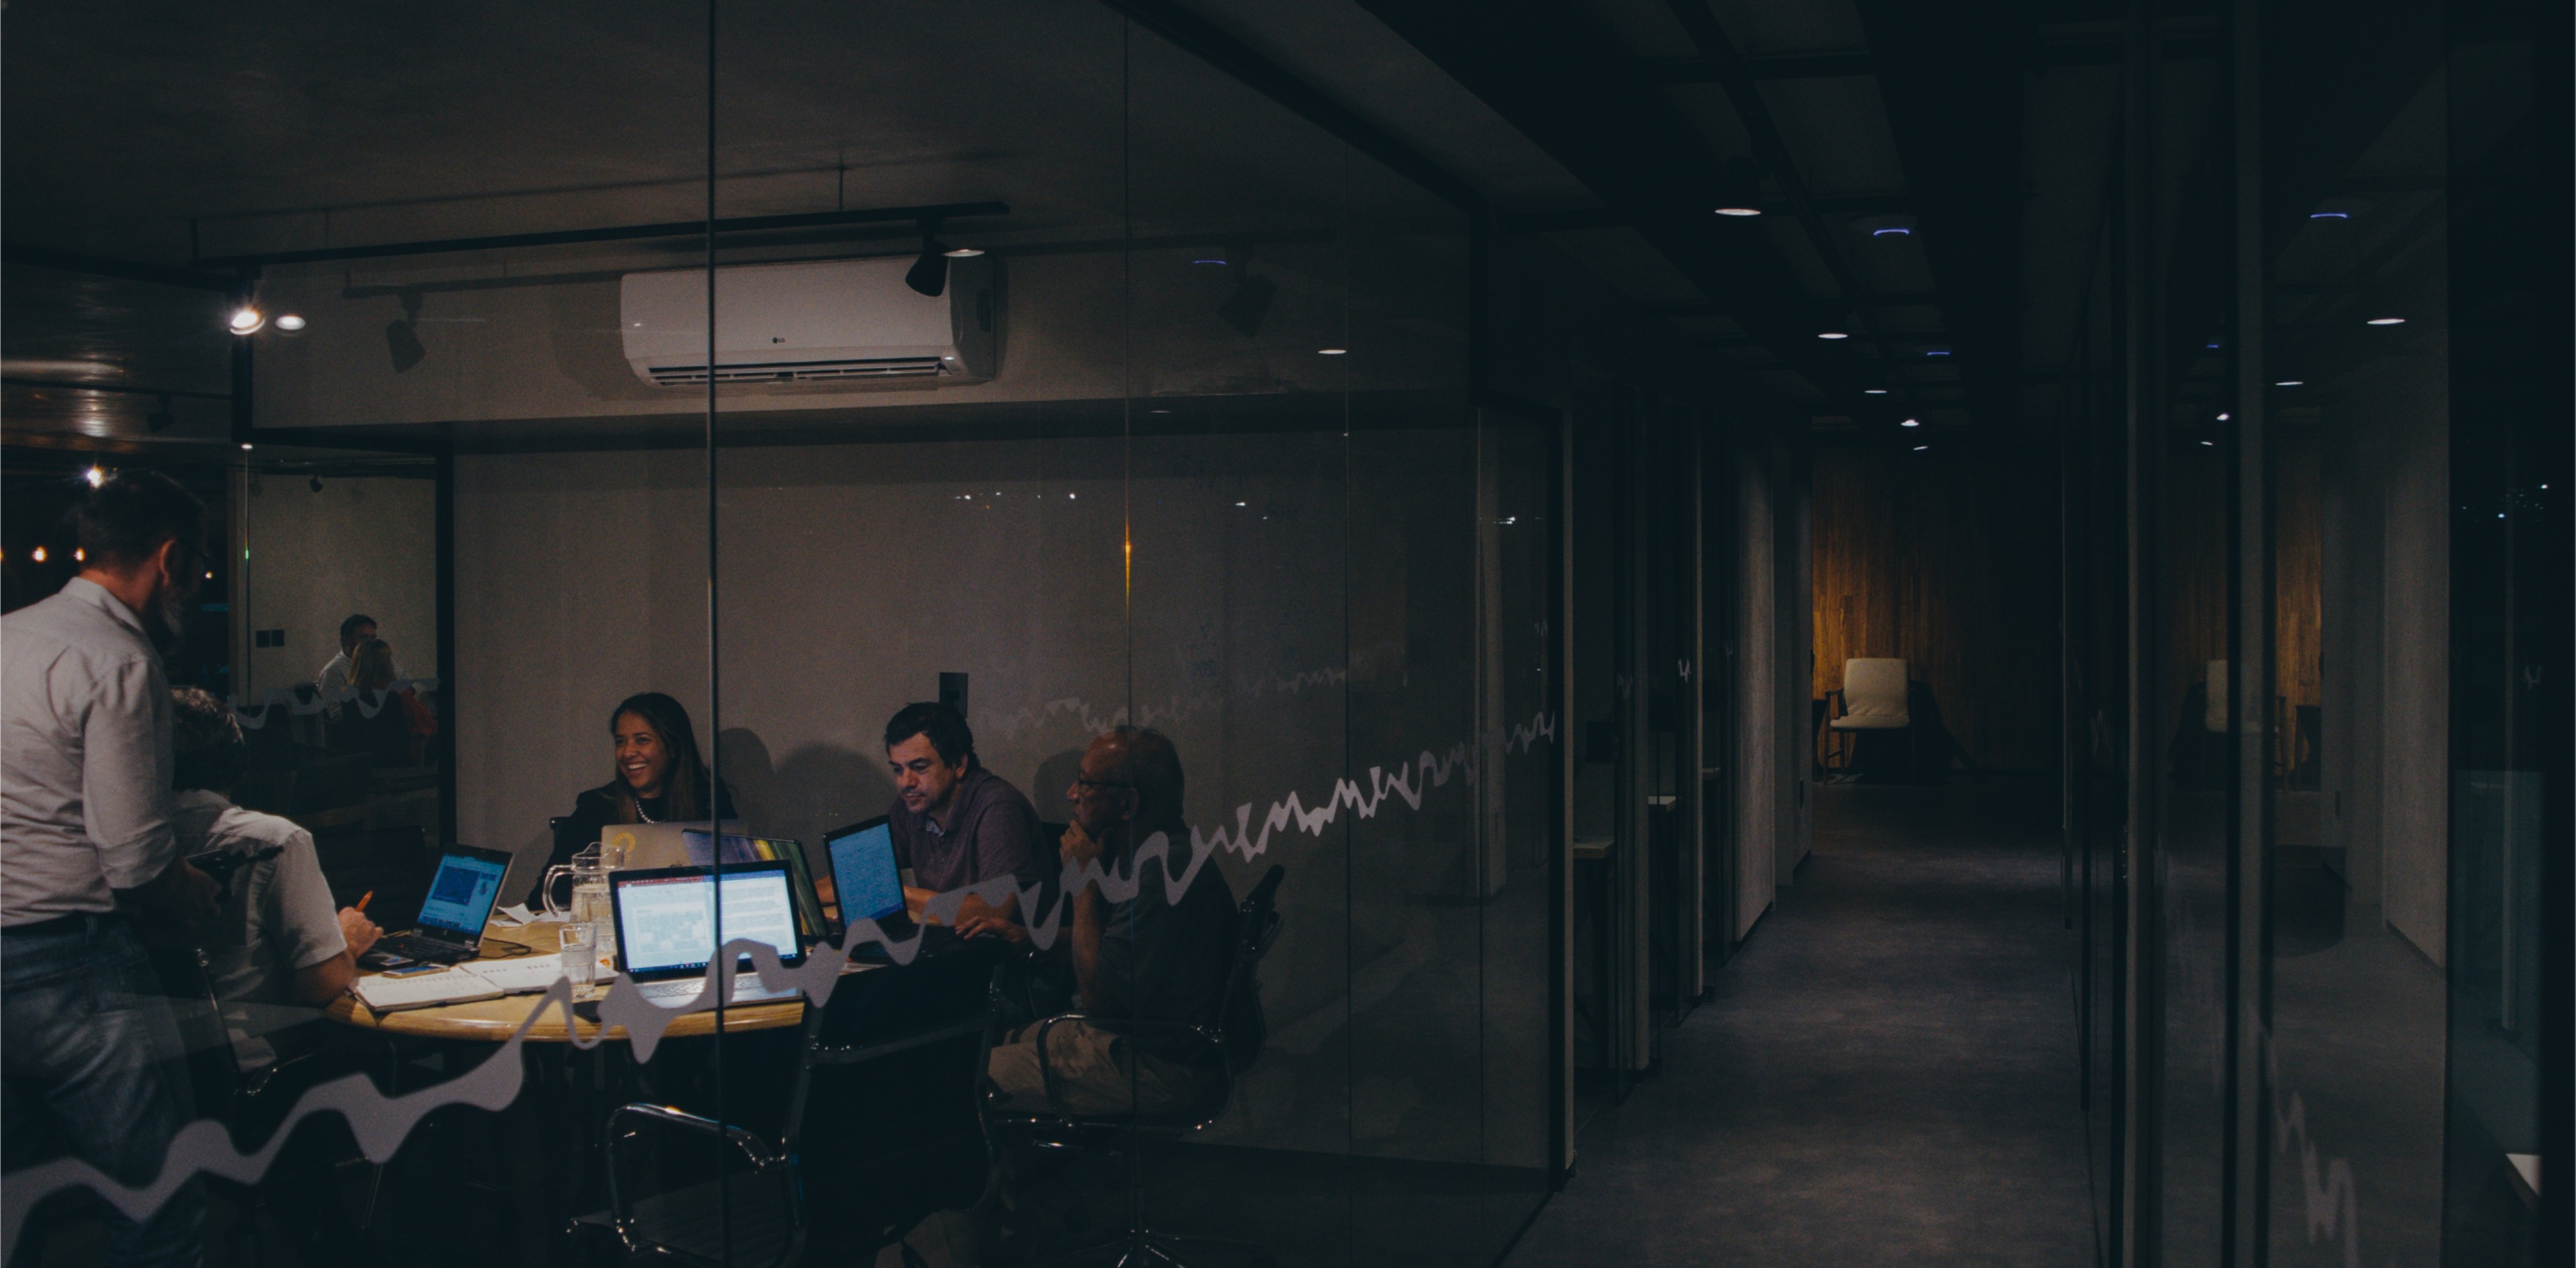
621, 233
129, 270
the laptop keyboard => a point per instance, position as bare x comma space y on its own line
747, 989
412, 946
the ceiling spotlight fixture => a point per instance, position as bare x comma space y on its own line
964, 253
2291, 383
1208, 260
2385, 321
2330, 215
95, 475
1740, 189
1891, 231
1921, 448
1911, 422
1832, 334
1873, 391
929, 274
1249, 302
2223, 418
39, 554
246, 320
290, 321
2210, 443
402, 337
1330, 352
245, 446
1936, 352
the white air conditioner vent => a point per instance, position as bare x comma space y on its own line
820, 321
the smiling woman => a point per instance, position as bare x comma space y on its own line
658, 777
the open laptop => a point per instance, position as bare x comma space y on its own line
461, 893
810, 924
866, 885
659, 844
667, 934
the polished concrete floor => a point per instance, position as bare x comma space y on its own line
1886, 1074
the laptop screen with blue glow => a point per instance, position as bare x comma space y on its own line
461, 894
863, 872
666, 920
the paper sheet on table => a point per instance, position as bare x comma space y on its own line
521, 976
514, 915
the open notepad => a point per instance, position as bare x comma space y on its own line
462, 984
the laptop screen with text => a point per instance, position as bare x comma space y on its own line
863, 872
461, 894
666, 918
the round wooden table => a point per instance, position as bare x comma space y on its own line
495, 1020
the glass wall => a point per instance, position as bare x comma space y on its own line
2324, 934
1058, 378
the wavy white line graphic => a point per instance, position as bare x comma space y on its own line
381, 1123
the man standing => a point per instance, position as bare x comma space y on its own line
334, 678
955, 823
1147, 958
87, 850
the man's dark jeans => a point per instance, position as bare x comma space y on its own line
92, 1068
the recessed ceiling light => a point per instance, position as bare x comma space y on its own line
2291, 383
2222, 418
246, 320
1739, 211
1208, 260
1936, 352
1330, 352
245, 445
1873, 391
1831, 334
2211, 443
289, 321
1911, 422
1921, 448
95, 475
2385, 321
961, 253
2330, 215
1891, 231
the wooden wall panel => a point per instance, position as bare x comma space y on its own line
1949, 560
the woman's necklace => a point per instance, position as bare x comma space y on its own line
640, 812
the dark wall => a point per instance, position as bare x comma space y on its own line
1947, 558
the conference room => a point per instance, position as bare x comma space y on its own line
799, 363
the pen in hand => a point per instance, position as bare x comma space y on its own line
364, 899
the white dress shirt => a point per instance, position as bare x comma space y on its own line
334, 676
84, 756
277, 919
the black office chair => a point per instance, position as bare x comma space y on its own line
1228, 1050
893, 1133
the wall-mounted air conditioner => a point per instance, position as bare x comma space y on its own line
811, 322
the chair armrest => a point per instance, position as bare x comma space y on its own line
1134, 1028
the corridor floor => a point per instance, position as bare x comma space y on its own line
1886, 1074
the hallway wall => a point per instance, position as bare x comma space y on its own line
1948, 559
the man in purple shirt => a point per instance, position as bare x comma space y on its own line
954, 822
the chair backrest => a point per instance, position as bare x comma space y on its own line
701, 1192
1257, 922
885, 1113
1874, 688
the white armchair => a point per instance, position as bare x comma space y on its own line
1873, 697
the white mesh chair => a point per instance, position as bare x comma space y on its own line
1873, 697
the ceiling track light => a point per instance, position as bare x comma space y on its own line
929, 273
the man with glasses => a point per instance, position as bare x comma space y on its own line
88, 853
1149, 957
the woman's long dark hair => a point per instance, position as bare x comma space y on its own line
687, 793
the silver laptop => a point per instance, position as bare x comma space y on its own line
667, 934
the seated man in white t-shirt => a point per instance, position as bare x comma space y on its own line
276, 951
